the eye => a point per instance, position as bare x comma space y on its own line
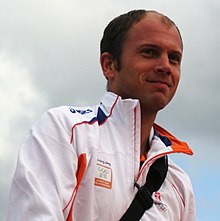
149, 52
175, 58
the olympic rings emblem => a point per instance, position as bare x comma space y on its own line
103, 170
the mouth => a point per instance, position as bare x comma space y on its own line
161, 82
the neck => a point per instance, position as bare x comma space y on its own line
147, 121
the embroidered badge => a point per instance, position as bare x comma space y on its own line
158, 202
103, 176
157, 196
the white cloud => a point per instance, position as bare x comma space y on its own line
17, 93
19, 103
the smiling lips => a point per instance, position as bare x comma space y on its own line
167, 83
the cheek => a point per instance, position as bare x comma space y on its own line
142, 77
176, 78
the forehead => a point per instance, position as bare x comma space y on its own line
155, 29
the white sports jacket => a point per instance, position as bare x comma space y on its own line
80, 164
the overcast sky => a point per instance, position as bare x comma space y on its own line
49, 56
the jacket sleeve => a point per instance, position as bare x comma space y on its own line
44, 182
189, 213
183, 185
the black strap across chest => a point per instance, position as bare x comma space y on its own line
143, 198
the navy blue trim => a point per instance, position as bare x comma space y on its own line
164, 139
101, 117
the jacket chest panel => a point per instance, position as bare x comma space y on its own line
108, 179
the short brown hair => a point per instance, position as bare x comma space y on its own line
116, 32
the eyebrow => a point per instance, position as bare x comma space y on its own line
160, 48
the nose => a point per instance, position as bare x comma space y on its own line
163, 65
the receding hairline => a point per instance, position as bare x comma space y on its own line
165, 20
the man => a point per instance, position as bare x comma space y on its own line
87, 163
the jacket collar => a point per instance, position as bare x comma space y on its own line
111, 101
168, 139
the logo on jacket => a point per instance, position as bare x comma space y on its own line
158, 202
87, 111
103, 176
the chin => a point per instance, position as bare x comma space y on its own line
155, 103
161, 102
157, 106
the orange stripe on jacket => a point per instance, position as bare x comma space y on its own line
79, 176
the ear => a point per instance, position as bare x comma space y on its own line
108, 65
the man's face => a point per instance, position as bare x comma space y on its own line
150, 64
